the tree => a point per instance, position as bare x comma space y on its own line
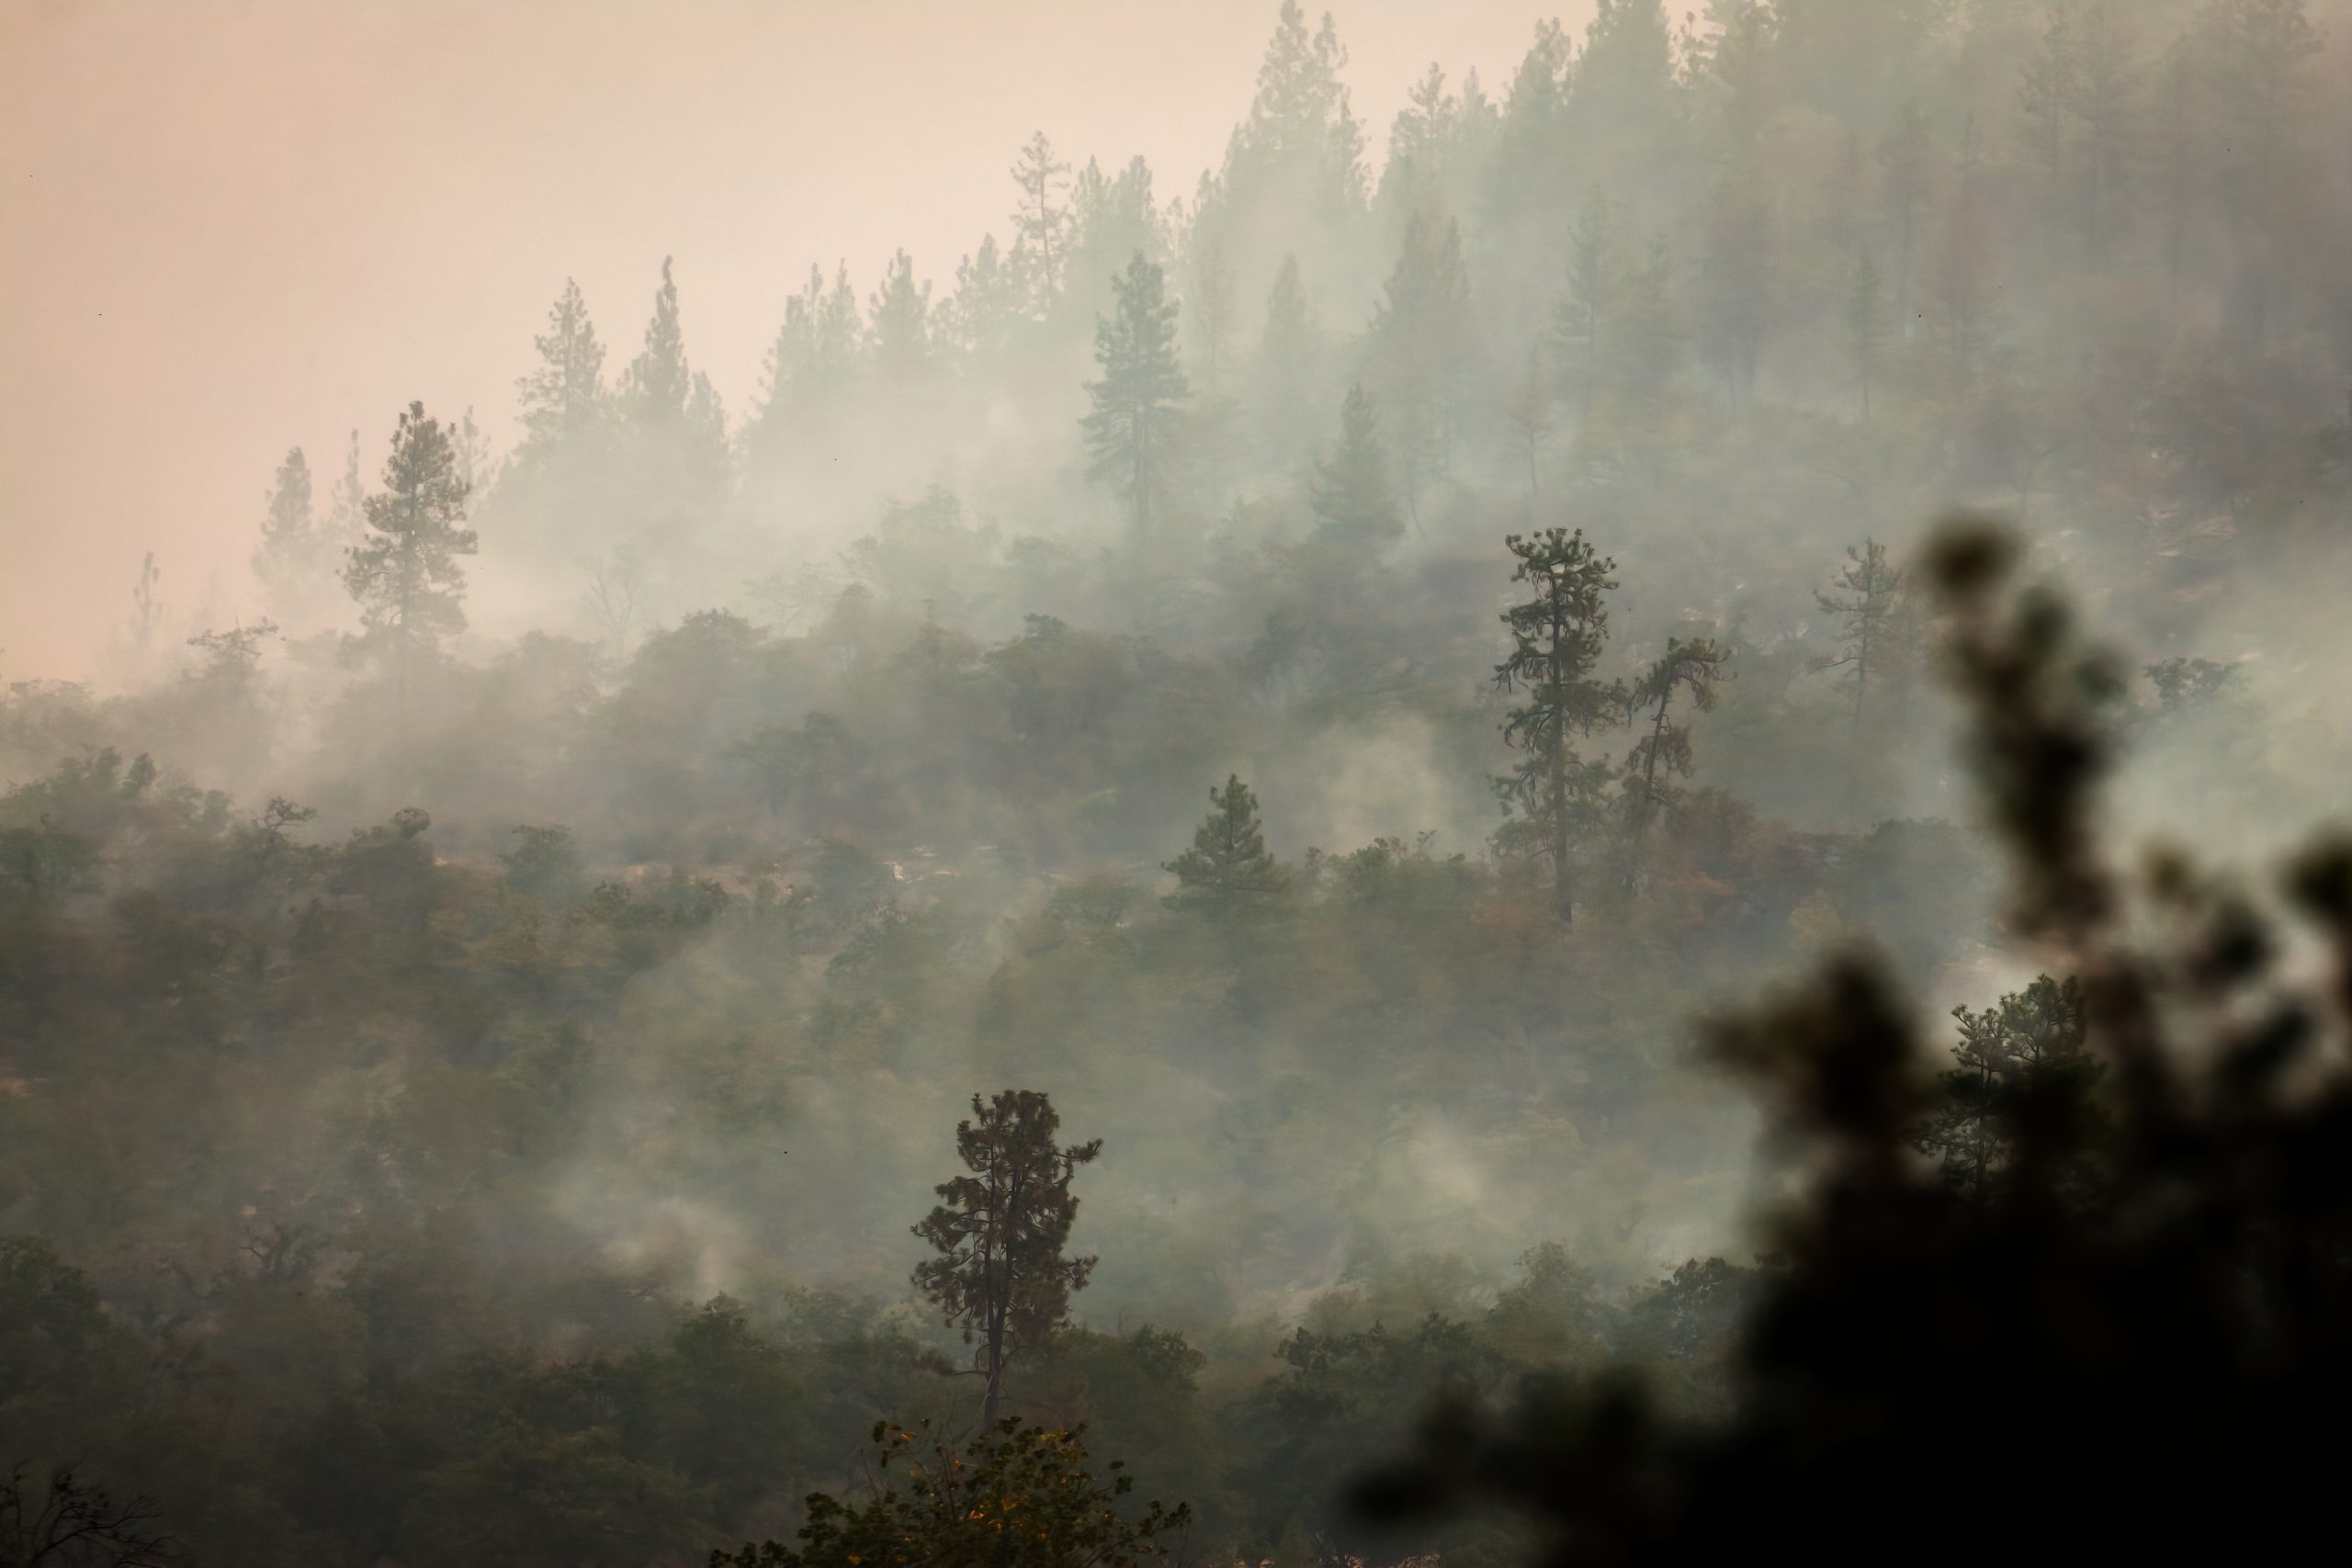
1040, 228
563, 399
1421, 333
2023, 1056
1001, 1275
1864, 597
1583, 311
2153, 1361
290, 544
146, 608
1016, 1496
655, 386
1527, 415
1556, 636
1904, 171
2077, 95
1351, 493
1228, 868
1288, 351
405, 575
1132, 427
898, 323
1863, 286
67, 1524
1693, 667
230, 657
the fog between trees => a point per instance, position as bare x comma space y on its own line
1325, 676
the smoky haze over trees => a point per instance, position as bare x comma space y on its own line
1314, 681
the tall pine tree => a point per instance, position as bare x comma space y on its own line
1131, 433
406, 575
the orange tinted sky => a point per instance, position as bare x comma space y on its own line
233, 227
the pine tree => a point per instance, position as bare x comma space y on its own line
1582, 314
1132, 429
563, 399
1556, 637
1228, 870
1351, 492
405, 576
146, 608
1040, 228
1527, 415
1421, 333
347, 507
1862, 328
290, 548
655, 386
1865, 599
1001, 1275
808, 368
1902, 167
1691, 667
898, 323
1288, 352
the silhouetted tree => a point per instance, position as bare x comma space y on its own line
1556, 636
1001, 1275
1132, 430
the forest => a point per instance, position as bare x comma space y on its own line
1336, 868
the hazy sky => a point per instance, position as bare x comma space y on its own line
231, 228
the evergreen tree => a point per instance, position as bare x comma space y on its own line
290, 548
1582, 314
1865, 599
2026, 1055
1903, 160
808, 368
2078, 95
1693, 668
563, 399
347, 506
1041, 229
1132, 426
1864, 287
1421, 334
655, 386
1228, 870
1556, 637
1351, 492
405, 576
1527, 415
146, 608
1288, 352
898, 323
1001, 1275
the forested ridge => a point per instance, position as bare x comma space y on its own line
1155, 841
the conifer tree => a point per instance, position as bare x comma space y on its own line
898, 323
1228, 870
1040, 227
563, 399
347, 506
1863, 286
1130, 432
1693, 668
1001, 1275
655, 386
1556, 637
1865, 599
291, 547
1904, 171
1288, 350
1582, 314
1527, 415
1351, 492
1422, 332
406, 575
